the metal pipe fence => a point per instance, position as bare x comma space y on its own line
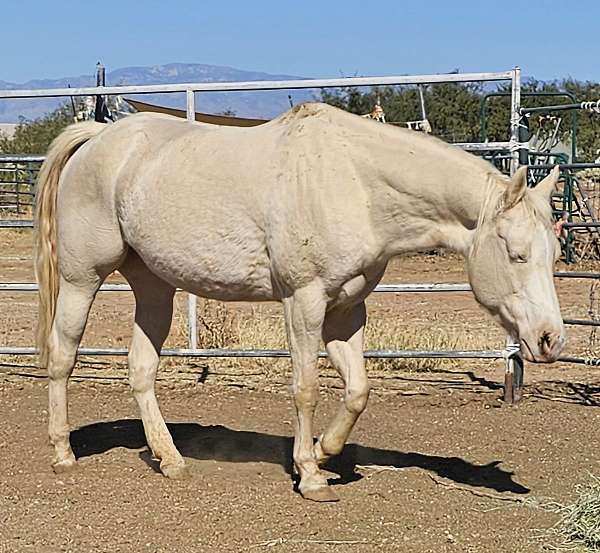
590, 106
198, 352
279, 353
513, 147
17, 179
508, 353
578, 206
296, 84
381, 288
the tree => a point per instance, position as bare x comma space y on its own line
453, 109
34, 137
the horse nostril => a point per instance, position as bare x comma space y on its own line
549, 342
545, 340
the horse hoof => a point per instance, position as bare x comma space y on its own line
64, 466
322, 494
175, 472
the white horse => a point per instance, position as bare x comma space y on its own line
306, 210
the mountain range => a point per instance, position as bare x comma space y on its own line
258, 104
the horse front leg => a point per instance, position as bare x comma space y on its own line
304, 314
343, 334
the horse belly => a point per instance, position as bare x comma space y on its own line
209, 266
231, 274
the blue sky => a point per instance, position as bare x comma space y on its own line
548, 39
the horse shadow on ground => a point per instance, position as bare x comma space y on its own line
576, 393
220, 443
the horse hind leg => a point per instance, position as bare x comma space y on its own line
343, 333
153, 314
72, 309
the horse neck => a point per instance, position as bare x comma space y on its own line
428, 195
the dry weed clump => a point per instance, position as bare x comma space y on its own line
388, 334
224, 325
580, 520
217, 325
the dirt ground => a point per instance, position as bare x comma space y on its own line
437, 462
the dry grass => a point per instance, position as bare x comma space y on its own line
579, 524
25, 212
223, 325
390, 334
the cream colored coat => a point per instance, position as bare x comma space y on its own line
306, 210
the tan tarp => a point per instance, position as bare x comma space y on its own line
225, 120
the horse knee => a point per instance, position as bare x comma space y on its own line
356, 397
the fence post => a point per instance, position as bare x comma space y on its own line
192, 300
17, 191
513, 376
101, 113
515, 119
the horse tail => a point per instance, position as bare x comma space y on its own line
46, 258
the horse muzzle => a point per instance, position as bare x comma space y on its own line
545, 349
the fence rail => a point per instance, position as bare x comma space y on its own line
276, 353
382, 288
260, 85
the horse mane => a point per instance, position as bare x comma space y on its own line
493, 203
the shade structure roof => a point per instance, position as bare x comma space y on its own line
226, 120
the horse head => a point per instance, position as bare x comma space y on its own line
510, 264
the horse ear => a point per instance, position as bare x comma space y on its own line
516, 188
547, 186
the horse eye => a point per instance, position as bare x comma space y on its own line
518, 257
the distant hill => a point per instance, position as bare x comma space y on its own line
263, 104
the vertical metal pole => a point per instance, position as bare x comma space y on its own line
568, 208
100, 75
192, 300
190, 104
513, 375
422, 101
524, 138
17, 191
100, 110
515, 118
